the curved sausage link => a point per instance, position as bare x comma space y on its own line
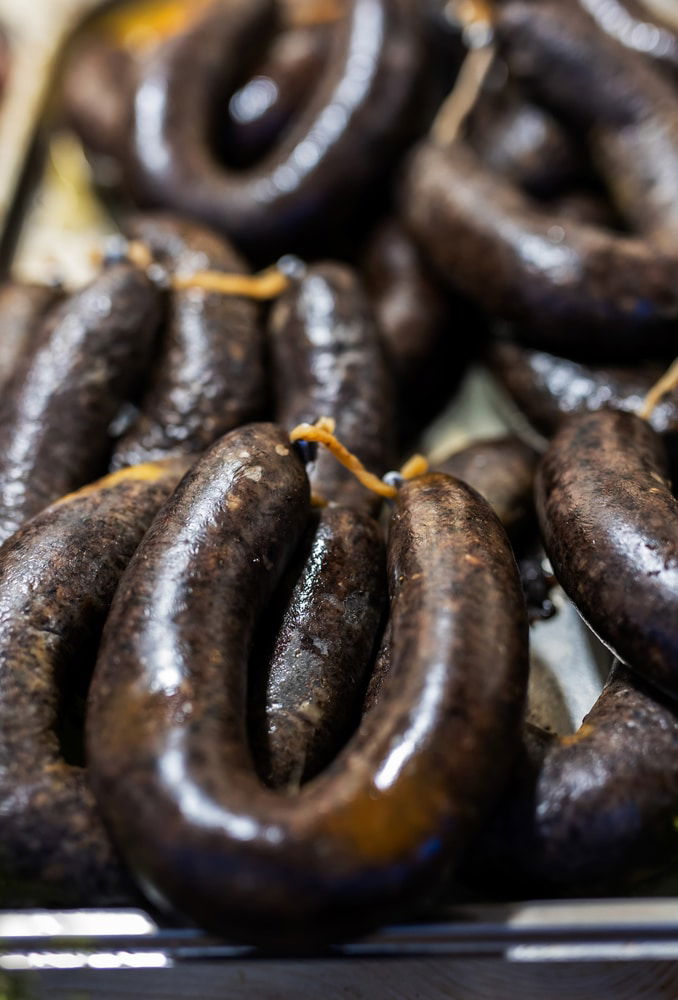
628, 108
266, 104
610, 528
58, 575
309, 681
525, 143
22, 308
595, 810
344, 136
210, 375
55, 417
638, 28
167, 746
328, 361
569, 286
548, 389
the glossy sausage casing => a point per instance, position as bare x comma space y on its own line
548, 389
58, 575
56, 415
502, 470
328, 362
22, 308
355, 117
570, 287
595, 810
209, 376
610, 528
309, 678
170, 763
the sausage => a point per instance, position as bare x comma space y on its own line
411, 309
57, 578
610, 528
570, 287
502, 470
631, 23
22, 306
592, 811
424, 330
167, 747
56, 413
629, 109
266, 104
345, 135
210, 374
525, 143
309, 681
327, 361
548, 388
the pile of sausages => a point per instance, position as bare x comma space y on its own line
235, 685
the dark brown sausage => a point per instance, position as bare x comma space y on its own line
167, 746
592, 811
263, 107
411, 309
610, 528
57, 579
22, 307
548, 388
629, 109
569, 286
525, 143
502, 470
210, 374
328, 362
632, 23
345, 134
56, 413
309, 681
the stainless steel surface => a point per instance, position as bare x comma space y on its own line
623, 930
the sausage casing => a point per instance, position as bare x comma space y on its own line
610, 528
56, 414
310, 680
595, 810
209, 376
328, 361
168, 753
58, 575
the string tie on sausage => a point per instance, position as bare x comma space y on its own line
667, 383
322, 432
267, 284
476, 17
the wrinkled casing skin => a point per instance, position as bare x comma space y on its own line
310, 676
58, 575
209, 376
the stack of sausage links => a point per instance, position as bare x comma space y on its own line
299, 725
